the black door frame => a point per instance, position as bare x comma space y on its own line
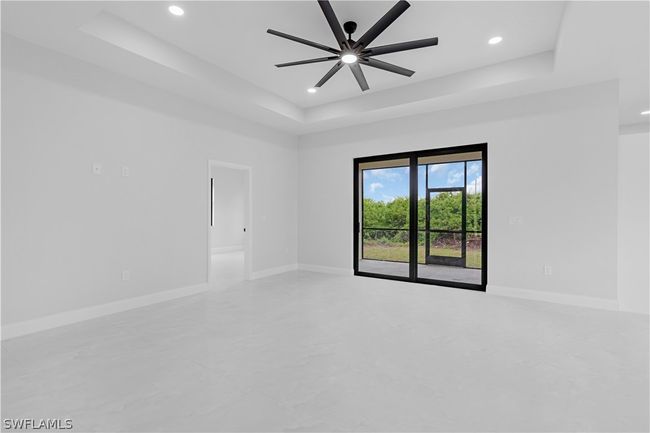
445, 260
413, 214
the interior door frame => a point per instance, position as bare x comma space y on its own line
413, 157
248, 238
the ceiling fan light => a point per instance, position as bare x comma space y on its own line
312, 90
349, 58
495, 40
176, 10
645, 113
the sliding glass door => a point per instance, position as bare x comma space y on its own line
420, 216
384, 224
450, 187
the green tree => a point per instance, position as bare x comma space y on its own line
445, 214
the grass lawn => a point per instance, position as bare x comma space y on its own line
400, 253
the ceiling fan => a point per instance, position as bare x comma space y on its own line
357, 53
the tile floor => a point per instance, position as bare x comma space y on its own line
313, 352
227, 268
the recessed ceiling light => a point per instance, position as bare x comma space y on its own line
645, 113
176, 10
312, 90
495, 40
349, 58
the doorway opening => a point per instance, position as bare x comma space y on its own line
421, 216
229, 187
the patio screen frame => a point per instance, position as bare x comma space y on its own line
413, 157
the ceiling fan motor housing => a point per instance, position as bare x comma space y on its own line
349, 27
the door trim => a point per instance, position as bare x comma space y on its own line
248, 240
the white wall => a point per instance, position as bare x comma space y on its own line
67, 234
551, 159
230, 194
633, 222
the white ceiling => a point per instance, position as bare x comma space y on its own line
233, 36
219, 53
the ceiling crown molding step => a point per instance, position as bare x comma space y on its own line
230, 90
511, 71
24, 57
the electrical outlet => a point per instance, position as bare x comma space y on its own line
97, 168
548, 270
126, 275
125, 171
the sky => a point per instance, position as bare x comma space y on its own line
384, 184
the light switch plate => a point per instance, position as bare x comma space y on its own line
548, 270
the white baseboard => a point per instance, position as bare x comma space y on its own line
19, 329
325, 269
273, 271
230, 249
558, 298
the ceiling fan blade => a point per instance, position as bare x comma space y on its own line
303, 41
358, 74
306, 62
386, 66
382, 24
401, 46
330, 73
330, 16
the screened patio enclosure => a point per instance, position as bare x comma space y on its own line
420, 216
